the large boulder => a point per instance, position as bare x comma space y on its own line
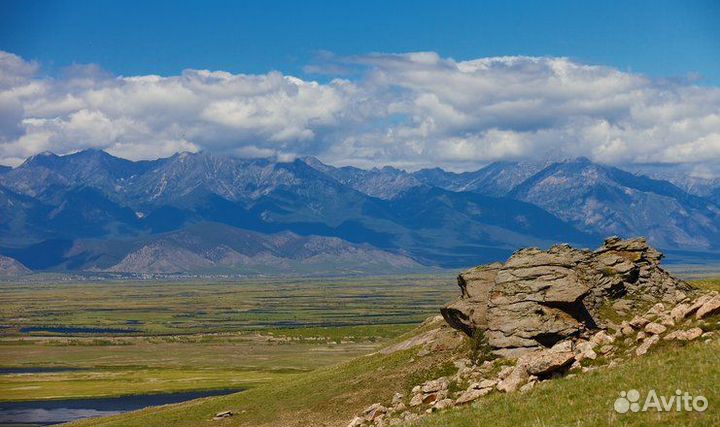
469, 313
538, 298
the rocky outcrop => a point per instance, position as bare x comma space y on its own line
538, 298
551, 314
690, 318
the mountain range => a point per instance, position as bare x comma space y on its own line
91, 211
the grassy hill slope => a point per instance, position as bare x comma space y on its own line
332, 396
587, 399
325, 397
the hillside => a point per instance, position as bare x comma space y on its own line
12, 267
438, 375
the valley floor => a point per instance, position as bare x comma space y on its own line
75, 340
320, 376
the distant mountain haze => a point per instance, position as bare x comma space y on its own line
204, 212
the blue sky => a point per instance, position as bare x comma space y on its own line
657, 38
405, 83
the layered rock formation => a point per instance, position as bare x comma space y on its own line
550, 314
538, 298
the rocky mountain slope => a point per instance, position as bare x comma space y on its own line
434, 217
611, 201
12, 267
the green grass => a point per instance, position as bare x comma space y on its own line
139, 365
327, 396
332, 396
318, 374
161, 308
587, 400
200, 336
708, 284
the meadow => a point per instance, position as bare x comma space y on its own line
119, 338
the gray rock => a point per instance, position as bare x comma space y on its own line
646, 344
416, 400
679, 312
517, 378
444, 404
585, 350
655, 328
539, 298
711, 307
433, 386
373, 411
472, 394
546, 361
397, 398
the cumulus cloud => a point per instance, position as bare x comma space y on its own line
411, 110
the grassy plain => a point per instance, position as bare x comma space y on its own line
331, 396
198, 336
161, 308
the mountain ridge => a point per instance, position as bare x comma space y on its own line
432, 216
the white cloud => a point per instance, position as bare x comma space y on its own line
412, 110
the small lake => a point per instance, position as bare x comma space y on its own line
47, 412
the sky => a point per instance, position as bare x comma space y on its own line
407, 83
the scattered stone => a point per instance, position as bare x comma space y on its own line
584, 350
602, 338
527, 387
711, 307
443, 404
505, 372
397, 398
416, 400
692, 334
646, 344
373, 411
638, 322
562, 347
679, 312
517, 377
471, 394
655, 328
680, 296
695, 306
222, 415
435, 385
356, 422
656, 310
546, 361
